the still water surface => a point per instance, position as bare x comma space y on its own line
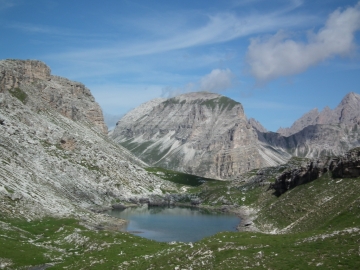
166, 224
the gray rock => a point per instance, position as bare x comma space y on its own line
199, 133
347, 165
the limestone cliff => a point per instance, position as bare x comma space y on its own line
71, 99
200, 133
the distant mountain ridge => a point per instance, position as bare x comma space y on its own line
347, 113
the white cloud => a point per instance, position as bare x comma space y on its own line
216, 81
278, 55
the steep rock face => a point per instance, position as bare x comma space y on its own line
71, 99
53, 165
199, 133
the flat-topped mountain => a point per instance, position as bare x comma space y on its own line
200, 133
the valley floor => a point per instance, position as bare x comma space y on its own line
316, 225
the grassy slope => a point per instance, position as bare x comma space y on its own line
325, 233
71, 246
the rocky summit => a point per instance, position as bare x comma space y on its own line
56, 158
199, 133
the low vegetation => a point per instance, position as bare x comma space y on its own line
179, 177
19, 94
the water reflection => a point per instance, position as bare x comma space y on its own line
167, 224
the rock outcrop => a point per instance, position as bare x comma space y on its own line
199, 133
55, 158
345, 166
71, 99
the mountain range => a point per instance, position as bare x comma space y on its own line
209, 135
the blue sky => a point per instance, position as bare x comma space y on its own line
279, 58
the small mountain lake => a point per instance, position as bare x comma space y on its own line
182, 224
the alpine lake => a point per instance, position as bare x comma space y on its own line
180, 224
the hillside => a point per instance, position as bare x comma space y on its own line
55, 156
312, 225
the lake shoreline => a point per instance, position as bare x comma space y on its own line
174, 222
245, 213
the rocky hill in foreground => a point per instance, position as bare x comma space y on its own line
55, 156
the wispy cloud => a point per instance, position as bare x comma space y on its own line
219, 28
278, 55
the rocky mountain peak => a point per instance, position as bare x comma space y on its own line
200, 133
348, 111
350, 98
307, 119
